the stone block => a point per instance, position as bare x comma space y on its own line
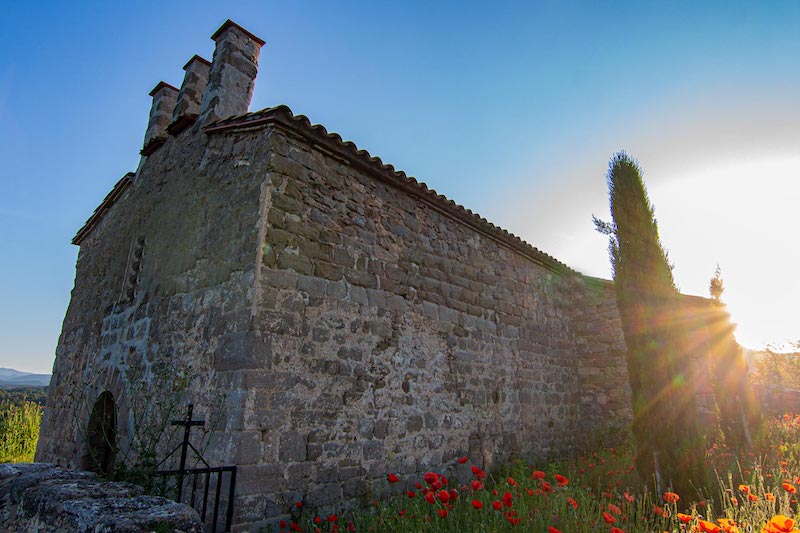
292, 447
235, 351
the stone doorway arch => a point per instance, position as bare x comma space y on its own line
101, 436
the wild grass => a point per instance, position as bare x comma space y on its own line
19, 430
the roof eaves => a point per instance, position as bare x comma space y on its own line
120, 187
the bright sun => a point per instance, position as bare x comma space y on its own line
744, 216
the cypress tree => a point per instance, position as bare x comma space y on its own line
666, 426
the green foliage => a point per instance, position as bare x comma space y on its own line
19, 431
778, 370
19, 394
665, 426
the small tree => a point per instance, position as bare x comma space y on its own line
716, 287
665, 422
739, 412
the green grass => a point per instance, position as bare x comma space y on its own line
19, 430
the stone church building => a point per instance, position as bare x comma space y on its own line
330, 318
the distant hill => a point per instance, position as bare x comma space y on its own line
10, 378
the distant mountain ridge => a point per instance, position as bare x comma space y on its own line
14, 378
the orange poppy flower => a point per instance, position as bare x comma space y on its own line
685, 518
671, 497
779, 524
744, 488
708, 527
562, 481
788, 487
609, 518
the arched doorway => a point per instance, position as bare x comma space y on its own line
101, 436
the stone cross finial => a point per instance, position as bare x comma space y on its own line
233, 73
191, 94
164, 98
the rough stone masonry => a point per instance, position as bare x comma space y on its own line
332, 318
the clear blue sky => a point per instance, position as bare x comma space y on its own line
511, 110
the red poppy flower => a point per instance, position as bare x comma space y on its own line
562, 481
547, 487
608, 518
538, 474
430, 498
616, 530
453, 494
442, 512
317, 520
671, 497
430, 477
478, 473
477, 504
628, 497
511, 481
513, 520
444, 496
508, 499
476, 485
573, 503
411, 494
392, 478
462, 460
614, 509
497, 505
551, 529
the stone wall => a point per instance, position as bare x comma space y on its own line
39, 497
395, 337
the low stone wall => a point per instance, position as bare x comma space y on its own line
43, 497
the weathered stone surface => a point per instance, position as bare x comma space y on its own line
42, 497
